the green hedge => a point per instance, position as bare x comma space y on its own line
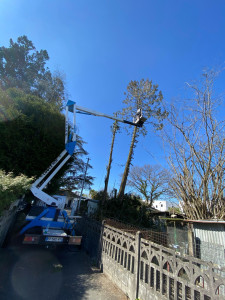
11, 188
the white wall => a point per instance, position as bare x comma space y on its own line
161, 205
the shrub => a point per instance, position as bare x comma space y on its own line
12, 187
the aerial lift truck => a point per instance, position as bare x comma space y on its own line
49, 223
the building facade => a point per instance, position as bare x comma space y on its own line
161, 205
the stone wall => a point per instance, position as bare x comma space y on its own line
145, 270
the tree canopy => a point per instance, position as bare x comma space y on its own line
31, 123
150, 181
32, 136
146, 96
23, 67
32, 133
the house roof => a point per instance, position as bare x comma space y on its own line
206, 221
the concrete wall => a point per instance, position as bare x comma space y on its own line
145, 270
6, 220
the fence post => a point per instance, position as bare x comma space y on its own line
100, 246
137, 265
190, 240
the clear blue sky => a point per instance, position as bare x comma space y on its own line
102, 45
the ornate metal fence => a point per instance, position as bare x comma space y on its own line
144, 269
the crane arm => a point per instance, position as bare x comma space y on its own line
139, 119
70, 142
56, 165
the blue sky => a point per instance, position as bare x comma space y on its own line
102, 45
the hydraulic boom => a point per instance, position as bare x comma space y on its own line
53, 215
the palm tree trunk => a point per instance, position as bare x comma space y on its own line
128, 163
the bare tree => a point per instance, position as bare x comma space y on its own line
197, 152
149, 181
143, 95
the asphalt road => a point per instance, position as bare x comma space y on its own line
32, 272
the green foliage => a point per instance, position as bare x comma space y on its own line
97, 195
131, 210
32, 133
73, 179
31, 124
23, 67
145, 95
174, 210
93, 194
32, 136
11, 188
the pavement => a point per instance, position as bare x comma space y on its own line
34, 272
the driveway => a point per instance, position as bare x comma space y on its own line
33, 272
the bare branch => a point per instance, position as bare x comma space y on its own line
197, 156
